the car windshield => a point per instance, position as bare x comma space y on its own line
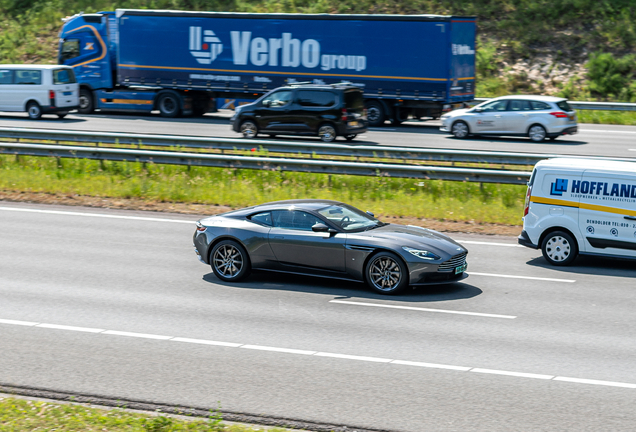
349, 218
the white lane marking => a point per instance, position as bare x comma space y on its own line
99, 215
631, 149
283, 350
63, 327
490, 243
596, 382
516, 374
138, 335
607, 131
206, 342
523, 277
354, 357
422, 309
324, 354
382, 129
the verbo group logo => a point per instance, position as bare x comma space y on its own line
285, 51
558, 187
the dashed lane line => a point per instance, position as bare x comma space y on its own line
413, 308
97, 215
523, 277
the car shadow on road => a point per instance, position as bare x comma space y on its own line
592, 265
525, 141
47, 118
261, 280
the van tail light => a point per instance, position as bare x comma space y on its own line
527, 203
559, 114
344, 115
52, 97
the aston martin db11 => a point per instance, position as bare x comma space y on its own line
328, 239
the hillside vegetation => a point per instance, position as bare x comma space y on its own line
577, 48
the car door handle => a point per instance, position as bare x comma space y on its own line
630, 217
497, 116
279, 237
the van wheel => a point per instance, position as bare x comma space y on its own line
327, 133
169, 105
34, 110
559, 248
86, 105
537, 133
249, 129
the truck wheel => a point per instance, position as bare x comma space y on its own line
34, 110
86, 105
169, 105
559, 248
375, 113
400, 115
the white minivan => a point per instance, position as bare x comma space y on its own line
38, 89
581, 206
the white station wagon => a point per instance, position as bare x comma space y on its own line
38, 89
537, 117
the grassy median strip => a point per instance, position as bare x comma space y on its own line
432, 199
30, 415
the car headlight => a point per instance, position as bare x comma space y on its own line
421, 253
444, 116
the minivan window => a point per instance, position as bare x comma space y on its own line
28, 77
316, 98
565, 106
63, 76
70, 49
354, 100
278, 99
6, 77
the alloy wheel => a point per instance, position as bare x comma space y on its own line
228, 261
385, 273
537, 133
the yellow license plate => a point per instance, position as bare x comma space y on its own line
353, 123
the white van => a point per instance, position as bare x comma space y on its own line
581, 206
38, 89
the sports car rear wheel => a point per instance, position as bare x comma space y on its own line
386, 273
229, 261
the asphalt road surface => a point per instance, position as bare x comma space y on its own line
593, 140
115, 303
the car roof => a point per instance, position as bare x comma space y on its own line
303, 204
532, 97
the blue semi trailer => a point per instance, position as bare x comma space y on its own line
180, 62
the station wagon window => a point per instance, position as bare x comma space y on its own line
278, 99
519, 105
28, 77
70, 49
294, 219
264, 218
536, 105
495, 106
316, 98
6, 77
63, 76
564, 105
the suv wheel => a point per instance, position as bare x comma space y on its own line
327, 133
249, 129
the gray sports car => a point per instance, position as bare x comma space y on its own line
328, 239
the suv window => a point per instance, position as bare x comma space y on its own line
278, 99
495, 106
28, 77
63, 76
6, 77
316, 98
565, 106
536, 105
354, 101
293, 219
519, 105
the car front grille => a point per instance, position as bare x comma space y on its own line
456, 261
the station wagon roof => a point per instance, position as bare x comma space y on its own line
533, 97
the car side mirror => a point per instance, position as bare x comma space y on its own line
370, 214
320, 227
479, 109
267, 103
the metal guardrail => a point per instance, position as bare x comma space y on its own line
584, 105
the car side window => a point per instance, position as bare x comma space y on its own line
278, 99
519, 105
316, 98
6, 77
264, 218
495, 106
294, 219
536, 105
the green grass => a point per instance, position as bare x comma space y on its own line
19, 415
433, 199
607, 117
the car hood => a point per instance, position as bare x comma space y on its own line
459, 112
415, 237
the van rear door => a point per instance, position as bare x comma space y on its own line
65, 87
607, 212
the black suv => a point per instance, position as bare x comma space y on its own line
327, 111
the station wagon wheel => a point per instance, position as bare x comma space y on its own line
229, 261
460, 129
327, 133
559, 248
537, 133
249, 129
386, 273
34, 110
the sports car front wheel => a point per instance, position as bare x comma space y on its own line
386, 273
229, 261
